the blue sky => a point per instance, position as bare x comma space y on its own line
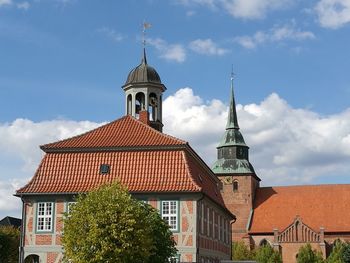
63, 63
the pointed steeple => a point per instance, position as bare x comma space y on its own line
232, 121
233, 153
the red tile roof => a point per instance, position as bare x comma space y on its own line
318, 206
141, 158
124, 132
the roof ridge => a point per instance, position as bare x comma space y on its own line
116, 127
44, 146
156, 131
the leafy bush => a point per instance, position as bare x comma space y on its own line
9, 243
307, 255
109, 225
240, 251
266, 254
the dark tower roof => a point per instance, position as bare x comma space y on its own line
143, 73
232, 136
233, 153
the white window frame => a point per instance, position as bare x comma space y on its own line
44, 216
169, 215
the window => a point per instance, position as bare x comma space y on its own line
170, 213
104, 169
202, 218
235, 186
44, 216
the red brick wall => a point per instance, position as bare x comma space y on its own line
239, 202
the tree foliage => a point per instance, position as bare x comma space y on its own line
307, 255
266, 254
240, 251
263, 254
346, 253
108, 225
336, 255
9, 244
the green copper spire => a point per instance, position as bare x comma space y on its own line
233, 153
232, 121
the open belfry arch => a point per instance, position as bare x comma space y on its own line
143, 93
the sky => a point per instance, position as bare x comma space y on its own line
63, 62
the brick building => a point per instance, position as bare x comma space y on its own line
157, 168
286, 217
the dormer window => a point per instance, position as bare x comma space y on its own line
104, 169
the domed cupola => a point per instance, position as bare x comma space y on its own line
143, 93
143, 73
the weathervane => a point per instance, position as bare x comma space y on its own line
145, 26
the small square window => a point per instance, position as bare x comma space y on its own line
104, 169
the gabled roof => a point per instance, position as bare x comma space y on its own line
122, 133
318, 206
10, 221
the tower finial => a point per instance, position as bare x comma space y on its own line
232, 121
145, 26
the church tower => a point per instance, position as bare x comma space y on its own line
236, 173
143, 94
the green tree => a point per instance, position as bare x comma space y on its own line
336, 255
240, 251
109, 225
266, 254
307, 255
9, 244
346, 253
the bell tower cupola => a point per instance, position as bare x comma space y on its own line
143, 94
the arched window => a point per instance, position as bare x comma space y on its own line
235, 185
32, 259
153, 107
139, 103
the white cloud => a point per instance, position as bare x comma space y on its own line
275, 34
5, 2
245, 9
23, 5
253, 9
171, 52
111, 33
333, 13
207, 47
287, 145
20, 153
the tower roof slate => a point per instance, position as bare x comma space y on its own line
143, 73
232, 138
